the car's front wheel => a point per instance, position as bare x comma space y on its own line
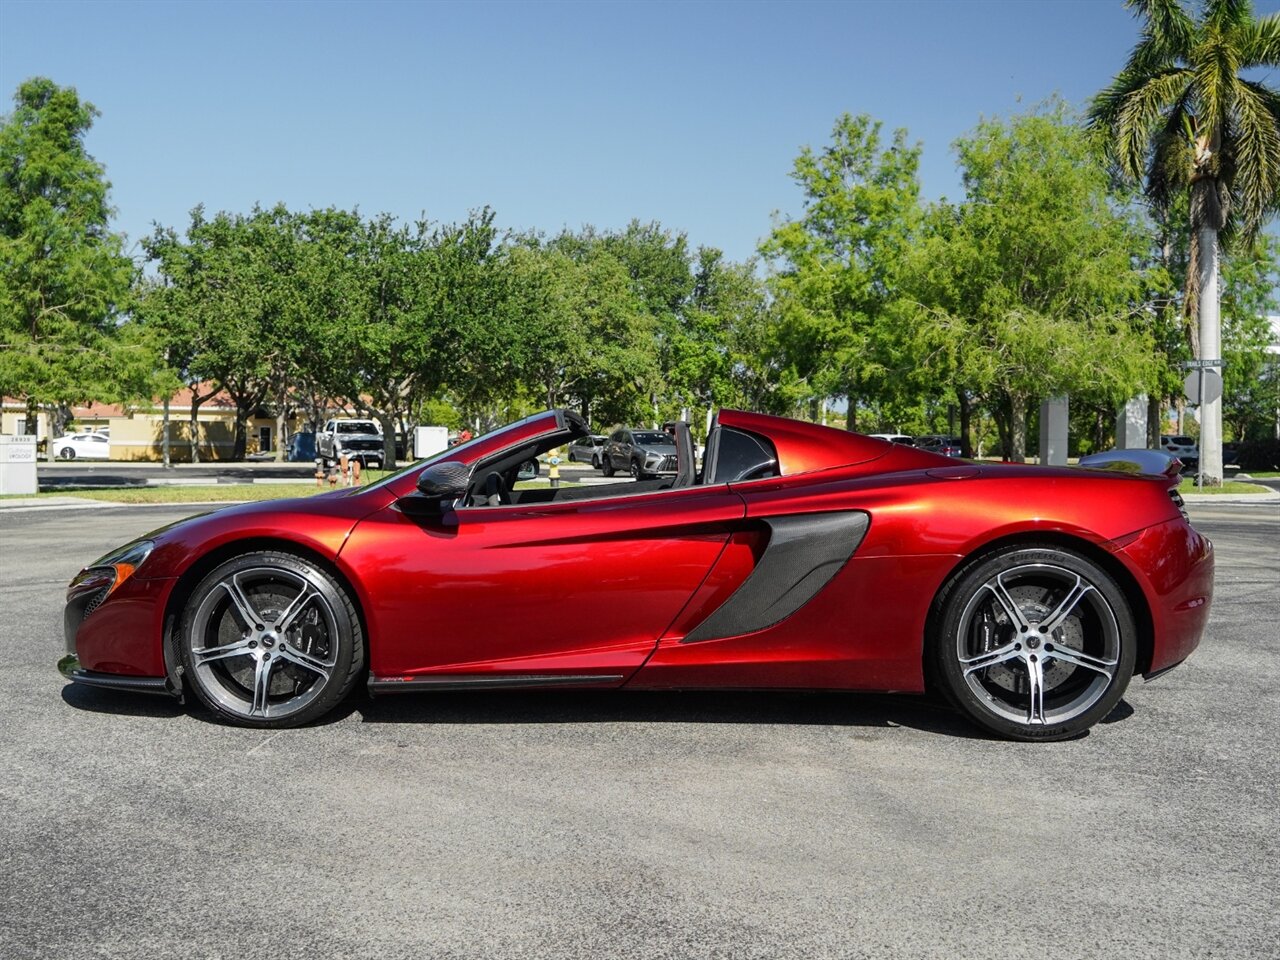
67, 453
637, 470
270, 639
595, 461
1033, 643
607, 466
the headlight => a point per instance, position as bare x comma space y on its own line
124, 561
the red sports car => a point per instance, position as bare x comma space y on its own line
798, 556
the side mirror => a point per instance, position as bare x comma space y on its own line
444, 481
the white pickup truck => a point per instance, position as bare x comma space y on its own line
358, 439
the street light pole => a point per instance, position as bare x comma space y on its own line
1210, 346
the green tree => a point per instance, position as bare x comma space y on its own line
1182, 116
1028, 287
64, 278
216, 306
837, 270
585, 336
1251, 391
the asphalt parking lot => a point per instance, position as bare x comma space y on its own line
636, 825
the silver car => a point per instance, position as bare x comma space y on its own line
642, 453
588, 450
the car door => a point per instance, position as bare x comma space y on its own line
613, 449
479, 595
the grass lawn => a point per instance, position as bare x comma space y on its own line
1188, 485
1263, 474
219, 492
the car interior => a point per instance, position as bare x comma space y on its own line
731, 456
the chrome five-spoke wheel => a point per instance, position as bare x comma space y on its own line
270, 639
1035, 643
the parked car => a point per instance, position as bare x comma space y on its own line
895, 438
939, 443
642, 453
588, 450
1184, 448
82, 446
803, 557
358, 439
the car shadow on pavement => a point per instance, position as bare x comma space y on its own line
120, 702
793, 708
634, 706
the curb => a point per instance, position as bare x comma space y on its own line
71, 503
1269, 497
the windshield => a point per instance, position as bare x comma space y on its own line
357, 426
655, 439
449, 453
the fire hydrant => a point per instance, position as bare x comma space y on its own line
554, 472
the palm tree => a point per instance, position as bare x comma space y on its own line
1181, 116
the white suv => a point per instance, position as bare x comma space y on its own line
1180, 447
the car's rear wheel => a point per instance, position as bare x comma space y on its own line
270, 640
1033, 643
67, 453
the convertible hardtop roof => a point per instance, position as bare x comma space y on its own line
802, 447
805, 447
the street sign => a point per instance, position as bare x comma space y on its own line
1212, 384
1201, 364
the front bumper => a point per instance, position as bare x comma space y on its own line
69, 667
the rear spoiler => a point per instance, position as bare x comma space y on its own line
1150, 463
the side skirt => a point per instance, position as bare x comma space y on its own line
462, 681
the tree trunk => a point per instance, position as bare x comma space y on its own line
966, 444
388, 424
59, 417
1000, 416
196, 400
1017, 429
1210, 349
33, 419
242, 434
1155, 421
164, 440
282, 419
282, 424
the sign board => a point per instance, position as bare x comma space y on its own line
429, 440
18, 464
1212, 386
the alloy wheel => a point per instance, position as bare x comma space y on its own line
269, 642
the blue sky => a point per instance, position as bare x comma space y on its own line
554, 114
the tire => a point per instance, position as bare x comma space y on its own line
608, 466
637, 471
1028, 614
231, 660
67, 453
595, 461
